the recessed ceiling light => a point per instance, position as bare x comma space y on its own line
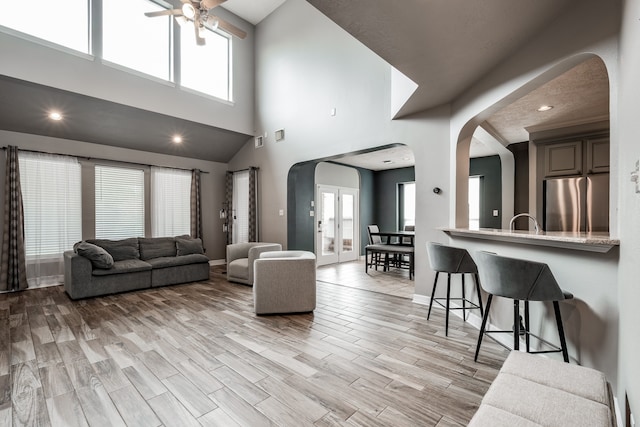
55, 115
545, 108
386, 162
177, 139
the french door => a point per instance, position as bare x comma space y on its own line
338, 225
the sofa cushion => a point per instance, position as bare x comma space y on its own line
98, 256
542, 404
124, 266
119, 249
238, 268
578, 380
156, 247
175, 261
188, 246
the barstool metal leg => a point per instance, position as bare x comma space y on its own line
516, 324
527, 339
483, 326
464, 301
433, 293
476, 279
446, 323
563, 342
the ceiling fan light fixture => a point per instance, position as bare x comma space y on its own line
213, 23
188, 10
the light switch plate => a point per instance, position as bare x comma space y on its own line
281, 212
312, 213
495, 212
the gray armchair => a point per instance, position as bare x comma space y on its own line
240, 259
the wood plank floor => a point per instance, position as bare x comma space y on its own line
393, 282
196, 354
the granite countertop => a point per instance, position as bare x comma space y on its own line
593, 242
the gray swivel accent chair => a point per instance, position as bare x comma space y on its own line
451, 260
520, 280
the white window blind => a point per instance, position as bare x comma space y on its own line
241, 207
51, 198
119, 202
170, 202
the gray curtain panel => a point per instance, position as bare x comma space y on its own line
196, 207
13, 272
229, 205
253, 204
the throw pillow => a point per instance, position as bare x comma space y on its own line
188, 246
119, 249
99, 257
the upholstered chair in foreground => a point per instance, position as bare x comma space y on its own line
240, 259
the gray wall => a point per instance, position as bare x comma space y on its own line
212, 182
490, 189
521, 182
386, 195
627, 135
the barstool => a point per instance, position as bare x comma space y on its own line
520, 280
450, 260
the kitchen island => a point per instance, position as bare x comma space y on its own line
585, 264
592, 242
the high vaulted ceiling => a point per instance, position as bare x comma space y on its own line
442, 45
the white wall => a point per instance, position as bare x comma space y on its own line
629, 147
305, 66
337, 175
213, 190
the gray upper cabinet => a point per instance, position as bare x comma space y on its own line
598, 155
563, 158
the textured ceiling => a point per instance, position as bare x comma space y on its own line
581, 95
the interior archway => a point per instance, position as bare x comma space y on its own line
579, 88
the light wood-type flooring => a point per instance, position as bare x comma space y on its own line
393, 282
196, 354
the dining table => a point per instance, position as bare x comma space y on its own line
403, 246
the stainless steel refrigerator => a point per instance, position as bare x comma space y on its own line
577, 204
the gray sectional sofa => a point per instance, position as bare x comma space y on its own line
102, 267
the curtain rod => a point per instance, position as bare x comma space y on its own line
247, 169
107, 160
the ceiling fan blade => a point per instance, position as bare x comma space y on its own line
210, 4
228, 27
200, 41
176, 12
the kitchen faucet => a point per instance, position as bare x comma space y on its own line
535, 222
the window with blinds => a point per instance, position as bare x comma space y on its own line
51, 198
119, 202
170, 202
240, 207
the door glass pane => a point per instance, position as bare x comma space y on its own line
347, 222
328, 223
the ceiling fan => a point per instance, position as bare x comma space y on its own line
199, 12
